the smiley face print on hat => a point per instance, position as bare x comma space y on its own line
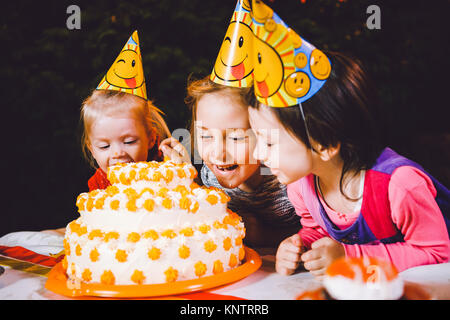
127, 73
234, 64
287, 70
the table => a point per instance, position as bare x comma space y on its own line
264, 284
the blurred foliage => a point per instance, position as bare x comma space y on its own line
47, 71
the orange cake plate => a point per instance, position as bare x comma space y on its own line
58, 283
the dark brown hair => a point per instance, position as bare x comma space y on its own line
342, 112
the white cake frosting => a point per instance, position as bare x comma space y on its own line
152, 225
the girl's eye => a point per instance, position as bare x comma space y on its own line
130, 142
104, 147
237, 138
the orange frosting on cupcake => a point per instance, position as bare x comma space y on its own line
369, 267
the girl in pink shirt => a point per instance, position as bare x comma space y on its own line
354, 197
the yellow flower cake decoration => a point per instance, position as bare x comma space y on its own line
218, 267
171, 274
86, 275
138, 277
107, 278
200, 269
154, 253
121, 255
184, 252
154, 224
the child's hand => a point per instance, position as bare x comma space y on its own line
323, 252
173, 149
288, 255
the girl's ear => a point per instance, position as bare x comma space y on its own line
328, 153
151, 139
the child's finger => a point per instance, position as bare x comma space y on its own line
310, 255
176, 145
289, 264
171, 143
171, 153
289, 256
174, 142
283, 270
165, 143
292, 244
180, 149
320, 243
296, 240
313, 265
289, 246
285, 267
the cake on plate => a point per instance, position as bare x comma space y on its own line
154, 224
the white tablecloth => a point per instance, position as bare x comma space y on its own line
261, 285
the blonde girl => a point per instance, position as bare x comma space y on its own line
119, 127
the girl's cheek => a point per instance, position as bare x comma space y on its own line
236, 153
202, 149
249, 154
256, 153
273, 156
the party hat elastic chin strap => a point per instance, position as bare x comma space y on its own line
306, 128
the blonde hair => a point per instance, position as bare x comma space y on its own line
108, 102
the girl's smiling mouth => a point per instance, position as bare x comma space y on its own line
224, 171
230, 167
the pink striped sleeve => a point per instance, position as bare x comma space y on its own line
418, 217
310, 230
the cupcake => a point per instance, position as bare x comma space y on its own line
363, 279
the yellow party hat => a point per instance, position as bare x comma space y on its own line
287, 69
234, 64
126, 73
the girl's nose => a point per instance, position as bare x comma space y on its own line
258, 153
117, 151
218, 151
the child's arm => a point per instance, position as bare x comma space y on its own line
310, 231
60, 231
288, 255
418, 217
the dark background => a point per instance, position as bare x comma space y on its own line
47, 70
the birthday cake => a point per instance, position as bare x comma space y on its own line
152, 225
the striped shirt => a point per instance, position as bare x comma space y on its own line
269, 202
